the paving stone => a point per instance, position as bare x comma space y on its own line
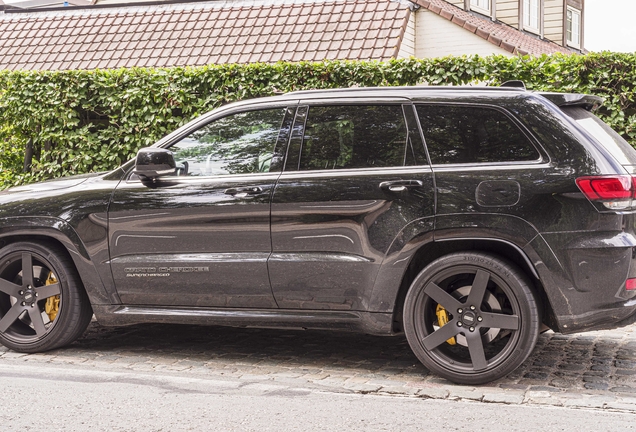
506, 397
596, 386
586, 402
536, 375
545, 389
513, 386
572, 366
400, 390
624, 372
433, 392
623, 389
466, 393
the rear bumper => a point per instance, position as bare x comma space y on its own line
584, 276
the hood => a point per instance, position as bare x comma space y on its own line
50, 185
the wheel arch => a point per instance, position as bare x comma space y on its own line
433, 250
58, 232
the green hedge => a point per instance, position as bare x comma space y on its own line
81, 121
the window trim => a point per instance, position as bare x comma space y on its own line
308, 104
177, 135
481, 10
544, 158
571, 43
525, 13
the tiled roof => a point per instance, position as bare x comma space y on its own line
502, 35
202, 33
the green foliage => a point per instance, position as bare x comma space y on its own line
82, 121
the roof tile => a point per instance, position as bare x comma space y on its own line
338, 29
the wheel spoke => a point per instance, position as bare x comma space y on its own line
48, 291
27, 269
478, 290
476, 349
500, 321
440, 335
9, 288
442, 297
10, 317
36, 319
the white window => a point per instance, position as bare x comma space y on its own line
531, 15
480, 6
574, 27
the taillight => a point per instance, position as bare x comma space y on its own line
615, 192
630, 284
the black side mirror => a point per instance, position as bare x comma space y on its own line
153, 162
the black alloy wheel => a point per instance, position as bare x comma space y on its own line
471, 317
43, 304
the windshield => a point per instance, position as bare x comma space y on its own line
624, 153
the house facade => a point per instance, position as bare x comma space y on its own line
560, 21
106, 34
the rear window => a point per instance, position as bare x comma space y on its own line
605, 135
462, 134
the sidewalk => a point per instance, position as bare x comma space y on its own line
593, 370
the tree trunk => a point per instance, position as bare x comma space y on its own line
28, 156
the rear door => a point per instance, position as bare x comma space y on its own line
356, 173
489, 173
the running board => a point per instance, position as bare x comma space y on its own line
363, 322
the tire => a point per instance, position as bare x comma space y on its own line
492, 316
43, 304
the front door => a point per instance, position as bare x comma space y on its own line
201, 237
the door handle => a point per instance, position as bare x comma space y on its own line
242, 192
400, 185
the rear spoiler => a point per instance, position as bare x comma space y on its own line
587, 102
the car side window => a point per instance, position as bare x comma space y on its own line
240, 143
463, 134
354, 136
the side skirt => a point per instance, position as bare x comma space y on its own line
379, 324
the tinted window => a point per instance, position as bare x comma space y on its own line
610, 139
459, 134
237, 144
339, 137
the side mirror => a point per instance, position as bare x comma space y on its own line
153, 162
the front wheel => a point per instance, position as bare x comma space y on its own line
471, 317
43, 304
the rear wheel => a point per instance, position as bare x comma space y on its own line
42, 302
471, 317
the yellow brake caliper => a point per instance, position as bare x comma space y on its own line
442, 320
52, 305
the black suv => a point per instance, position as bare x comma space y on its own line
470, 219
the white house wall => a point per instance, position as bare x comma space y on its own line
508, 12
438, 37
407, 48
553, 24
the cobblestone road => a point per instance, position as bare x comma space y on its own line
592, 370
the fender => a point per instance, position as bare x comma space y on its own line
432, 232
98, 284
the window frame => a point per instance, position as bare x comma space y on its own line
174, 137
275, 165
293, 155
477, 8
574, 11
525, 13
543, 157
